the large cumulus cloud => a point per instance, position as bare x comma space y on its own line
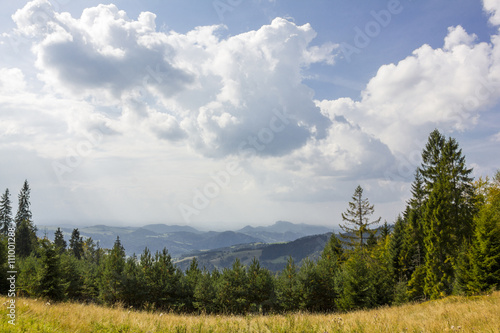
214, 93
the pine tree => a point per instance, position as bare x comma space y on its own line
412, 255
24, 211
357, 284
73, 275
26, 240
288, 288
444, 165
112, 280
327, 269
49, 276
485, 252
161, 279
59, 241
189, 282
76, 244
205, 296
357, 215
232, 292
260, 286
396, 248
448, 211
133, 291
5, 213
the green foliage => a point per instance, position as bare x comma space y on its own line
59, 241
288, 288
261, 288
356, 281
23, 210
356, 228
112, 278
76, 244
232, 291
161, 279
5, 213
485, 253
49, 284
205, 296
26, 240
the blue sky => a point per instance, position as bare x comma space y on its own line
220, 114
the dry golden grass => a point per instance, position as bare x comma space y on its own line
473, 314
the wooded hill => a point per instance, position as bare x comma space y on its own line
447, 241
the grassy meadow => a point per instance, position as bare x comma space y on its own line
471, 314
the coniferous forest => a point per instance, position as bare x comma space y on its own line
446, 241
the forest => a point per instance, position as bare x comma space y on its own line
445, 242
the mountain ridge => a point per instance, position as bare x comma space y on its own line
182, 239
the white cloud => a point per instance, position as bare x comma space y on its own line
445, 88
492, 7
213, 93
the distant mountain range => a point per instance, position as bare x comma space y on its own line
185, 240
270, 256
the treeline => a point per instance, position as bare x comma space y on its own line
447, 241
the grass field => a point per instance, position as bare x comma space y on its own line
473, 314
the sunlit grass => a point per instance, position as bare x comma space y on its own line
473, 314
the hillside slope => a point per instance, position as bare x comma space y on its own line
475, 314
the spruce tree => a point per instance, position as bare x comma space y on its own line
288, 288
76, 244
448, 211
260, 286
161, 279
59, 241
5, 213
205, 296
358, 289
26, 240
357, 218
49, 275
189, 282
327, 270
112, 279
233, 290
485, 252
23, 210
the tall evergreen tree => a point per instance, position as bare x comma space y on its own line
112, 279
49, 275
260, 287
26, 240
288, 287
232, 293
161, 279
5, 213
24, 210
448, 211
357, 218
205, 294
59, 241
189, 282
412, 251
327, 270
76, 244
485, 252
358, 289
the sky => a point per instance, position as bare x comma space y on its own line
225, 113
